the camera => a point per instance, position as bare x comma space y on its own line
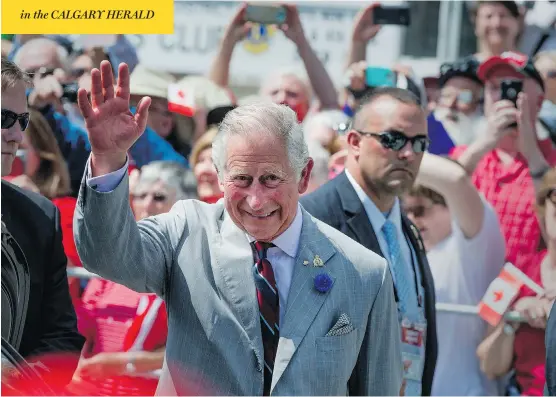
70, 91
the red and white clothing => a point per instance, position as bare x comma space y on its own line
529, 348
115, 319
108, 313
510, 190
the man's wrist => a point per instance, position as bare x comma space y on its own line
106, 164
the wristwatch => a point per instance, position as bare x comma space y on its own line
508, 330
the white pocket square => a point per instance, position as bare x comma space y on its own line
343, 326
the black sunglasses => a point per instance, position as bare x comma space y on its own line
396, 140
9, 118
467, 65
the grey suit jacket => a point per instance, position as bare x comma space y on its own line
200, 262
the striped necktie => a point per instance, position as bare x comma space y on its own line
267, 296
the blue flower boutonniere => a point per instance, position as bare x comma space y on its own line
323, 282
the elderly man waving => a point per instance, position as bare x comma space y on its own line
261, 297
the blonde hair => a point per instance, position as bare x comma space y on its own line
52, 178
548, 182
204, 142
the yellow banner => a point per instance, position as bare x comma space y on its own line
88, 17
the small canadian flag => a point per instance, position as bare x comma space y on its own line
502, 292
180, 100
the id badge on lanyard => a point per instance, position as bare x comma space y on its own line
413, 337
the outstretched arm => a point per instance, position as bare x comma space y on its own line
451, 180
109, 241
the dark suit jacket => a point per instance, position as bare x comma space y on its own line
50, 324
337, 204
550, 341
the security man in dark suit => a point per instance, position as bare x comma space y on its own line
38, 317
386, 144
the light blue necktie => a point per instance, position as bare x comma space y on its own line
402, 276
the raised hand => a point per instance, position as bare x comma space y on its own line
356, 76
503, 115
111, 126
293, 29
238, 28
46, 91
364, 29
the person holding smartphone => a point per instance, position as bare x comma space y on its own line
283, 87
507, 160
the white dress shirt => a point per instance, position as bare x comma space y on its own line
378, 219
281, 257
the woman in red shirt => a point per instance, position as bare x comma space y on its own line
521, 345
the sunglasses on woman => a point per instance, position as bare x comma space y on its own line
396, 140
9, 118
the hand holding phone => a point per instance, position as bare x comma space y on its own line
379, 77
364, 29
266, 14
391, 15
510, 90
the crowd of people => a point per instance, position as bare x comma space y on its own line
392, 197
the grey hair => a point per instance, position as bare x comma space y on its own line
262, 118
321, 157
173, 175
288, 72
332, 118
40, 42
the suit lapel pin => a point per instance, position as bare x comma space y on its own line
317, 262
305, 263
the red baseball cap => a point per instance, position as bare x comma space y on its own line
519, 62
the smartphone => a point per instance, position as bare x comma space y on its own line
69, 91
265, 14
510, 89
391, 15
380, 77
